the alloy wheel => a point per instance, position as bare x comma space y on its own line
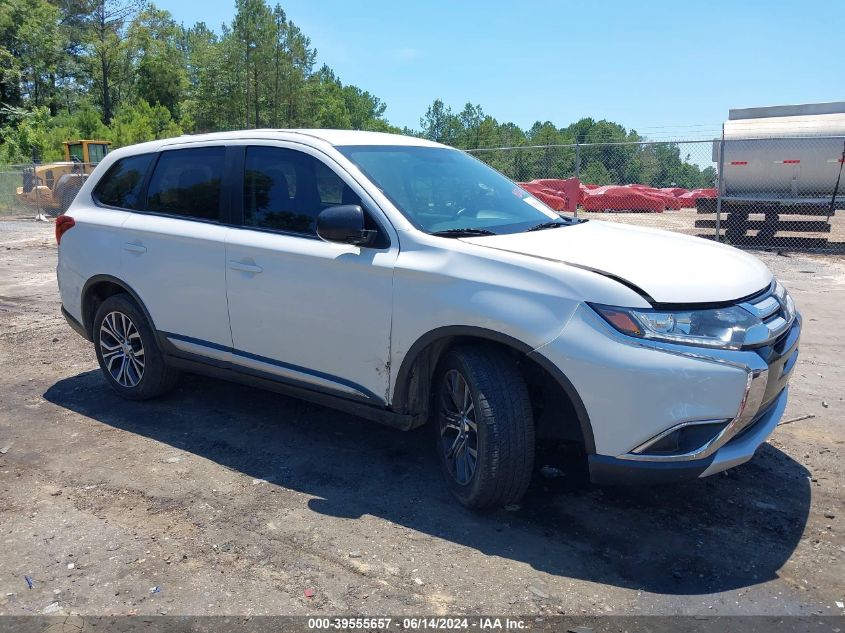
122, 349
458, 427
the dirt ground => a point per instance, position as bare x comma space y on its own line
222, 499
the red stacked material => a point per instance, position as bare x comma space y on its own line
545, 196
689, 198
560, 195
565, 195
675, 191
616, 198
668, 198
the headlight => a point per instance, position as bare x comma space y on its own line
718, 327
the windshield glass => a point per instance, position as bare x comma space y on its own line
441, 189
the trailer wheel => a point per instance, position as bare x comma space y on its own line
736, 224
65, 199
66, 189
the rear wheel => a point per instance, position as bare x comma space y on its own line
127, 351
484, 426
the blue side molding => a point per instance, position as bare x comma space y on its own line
278, 363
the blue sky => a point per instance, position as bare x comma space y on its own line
666, 68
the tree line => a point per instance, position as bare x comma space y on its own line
609, 153
126, 71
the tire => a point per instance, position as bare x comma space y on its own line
139, 374
65, 200
67, 187
503, 438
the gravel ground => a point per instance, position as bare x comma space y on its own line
222, 499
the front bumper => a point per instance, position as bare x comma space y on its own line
606, 470
636, 393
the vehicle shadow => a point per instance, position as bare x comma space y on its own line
721, 533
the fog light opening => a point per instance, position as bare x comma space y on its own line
687, 439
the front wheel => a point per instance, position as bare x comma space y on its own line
127, 351
484, 426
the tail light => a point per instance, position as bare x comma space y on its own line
63, 224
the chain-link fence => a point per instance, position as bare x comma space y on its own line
40, 191
755, 193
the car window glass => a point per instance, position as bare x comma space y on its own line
442, 189
121, 186
96, 152
75, 151
286, 190
186, 182
331, 190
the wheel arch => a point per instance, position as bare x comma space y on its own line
413, 379
100, 287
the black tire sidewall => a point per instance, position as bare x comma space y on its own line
464, 492
483, 490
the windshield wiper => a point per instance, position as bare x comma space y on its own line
548, 225
468, 232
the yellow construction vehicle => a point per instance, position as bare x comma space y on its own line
50, 188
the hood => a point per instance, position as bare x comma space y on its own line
669, 267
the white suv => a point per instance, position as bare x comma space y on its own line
406, 282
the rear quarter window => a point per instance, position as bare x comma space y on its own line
121, 186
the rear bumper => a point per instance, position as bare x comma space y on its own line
607, 470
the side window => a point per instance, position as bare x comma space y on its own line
121, 186
96, 152
76, 151
331, 190
285, 189
187, 182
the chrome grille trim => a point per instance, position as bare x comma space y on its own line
777, 326
772, 312
763, 308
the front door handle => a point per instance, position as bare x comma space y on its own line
244, 267
134, 248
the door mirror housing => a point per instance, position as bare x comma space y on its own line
344, 224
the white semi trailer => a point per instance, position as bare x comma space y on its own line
779, 160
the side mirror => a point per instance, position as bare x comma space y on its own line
344, 224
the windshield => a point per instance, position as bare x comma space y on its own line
441, 189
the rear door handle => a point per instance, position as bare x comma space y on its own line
134, 248
244, 267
